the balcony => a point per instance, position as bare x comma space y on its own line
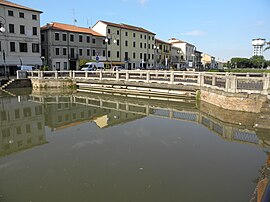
73, 56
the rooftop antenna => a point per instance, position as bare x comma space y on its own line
74, 19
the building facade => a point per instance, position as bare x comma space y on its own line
188, 51
65, 46
198, 60
208, 61
127, 45
164, 53
19, 37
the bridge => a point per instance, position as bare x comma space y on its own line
166, 82
159, 109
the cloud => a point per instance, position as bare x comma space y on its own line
142, 2
194, 33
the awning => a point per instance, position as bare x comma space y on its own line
114, 63
16, 60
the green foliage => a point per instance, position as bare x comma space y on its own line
45, 68
256, 62
83, 62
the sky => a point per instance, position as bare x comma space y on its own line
223, 28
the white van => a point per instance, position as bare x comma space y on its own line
93, 66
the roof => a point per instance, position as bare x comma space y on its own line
175, 41
10, 4
71, 28
125, 26
160, 41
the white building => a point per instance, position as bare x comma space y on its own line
187, 49
20, 38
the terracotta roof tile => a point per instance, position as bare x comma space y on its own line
10, 4
71, 28
160, 41
125, 26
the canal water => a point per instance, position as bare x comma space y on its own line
95, 147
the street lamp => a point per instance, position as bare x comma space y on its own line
156, 48
2, 30
107, 40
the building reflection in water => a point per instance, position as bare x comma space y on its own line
22, 124
106, 110
23, 118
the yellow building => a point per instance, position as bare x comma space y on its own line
127, 45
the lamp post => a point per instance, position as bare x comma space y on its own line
156, 48
107, 40
2, 30
42, 60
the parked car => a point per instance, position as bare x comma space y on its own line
93, 66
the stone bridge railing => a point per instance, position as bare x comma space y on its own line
229, 82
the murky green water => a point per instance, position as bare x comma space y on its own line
90, 147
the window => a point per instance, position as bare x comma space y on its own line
80, 52
57, 52
34, 31
126, 56
12, 47
21, 15
141, 36
42, 37
140, 55
72, 37
35, 47
10, 13
0, 46
109, 54
65, 65
23, 47
18, 130
88, 52
58, 66
144, 36
134, 44
11, 28
118, 32
64, 51
149, 37
80, 38
134, 35
94, 52
149, 46
153, 38
134, 55
141, 45
117, 42
22, 29
109, 31
93, 41
104, 53
64, 37
27, 112
126, 43
144, 45
34, 17
56, 36
88, 39
117, 54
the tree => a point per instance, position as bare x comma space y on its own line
240, 63
258, 61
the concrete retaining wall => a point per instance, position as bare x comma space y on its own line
53, 83
234, 101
